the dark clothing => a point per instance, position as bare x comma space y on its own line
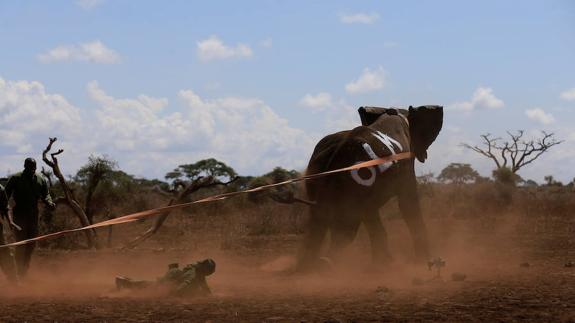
189, 281
26, 190
3, 202
186, 282
6, 260
23, 254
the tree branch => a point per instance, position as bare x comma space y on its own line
490, 143
71, 200
191, 187
516, 151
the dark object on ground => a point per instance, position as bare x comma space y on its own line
436, 264
525, 265
458, 277
383, 292
570, 264
186, 282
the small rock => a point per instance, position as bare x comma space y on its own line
458, 277
525, 265
570, 264
383, 292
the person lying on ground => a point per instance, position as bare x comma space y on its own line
189, 281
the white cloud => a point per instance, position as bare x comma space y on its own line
244, 132
139, 123
89, 4
359, 18
214, 49
343, 116
247, 132
317, 102
28, 112
483, 98
539, 115
95, 52
368, 81
147, 135
568, 95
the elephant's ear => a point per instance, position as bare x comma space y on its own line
425, 123
368, 115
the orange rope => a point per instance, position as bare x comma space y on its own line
153, 212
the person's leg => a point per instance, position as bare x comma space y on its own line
27, 220
128, 283
23, 253
30, 247
6, 259
27, 256
20, 251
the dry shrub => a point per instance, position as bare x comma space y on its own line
238, 222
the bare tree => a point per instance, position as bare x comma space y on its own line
516, 152
69, 198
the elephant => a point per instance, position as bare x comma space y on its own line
344, 200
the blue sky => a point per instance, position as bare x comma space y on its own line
154, 84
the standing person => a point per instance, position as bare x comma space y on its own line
27, 188
6, 259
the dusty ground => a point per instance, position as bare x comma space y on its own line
250, 286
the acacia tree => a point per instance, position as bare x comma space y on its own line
281, 194
188, 179
97, 170
551, 181
458, 173
210, 167
516, 152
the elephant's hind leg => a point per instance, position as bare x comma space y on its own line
343, 231
378, 238
317, 229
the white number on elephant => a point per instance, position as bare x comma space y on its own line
388, 142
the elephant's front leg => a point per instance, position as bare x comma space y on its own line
410, 208
378, 237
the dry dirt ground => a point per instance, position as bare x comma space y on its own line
250, 283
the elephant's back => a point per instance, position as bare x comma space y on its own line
321, 159
348, 148
324, 152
